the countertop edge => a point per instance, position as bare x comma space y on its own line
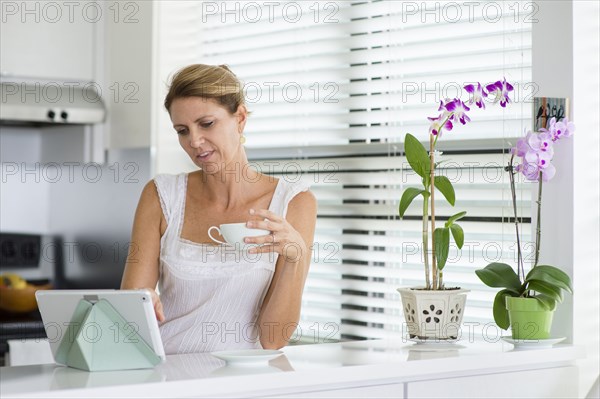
346, 376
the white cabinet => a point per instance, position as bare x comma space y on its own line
22, 352
50, 43
395, 391
560, 382
129, 74
49, 40
111, 45
557, 382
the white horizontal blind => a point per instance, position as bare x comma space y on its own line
334, 86
177, 44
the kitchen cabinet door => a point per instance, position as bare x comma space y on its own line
49, 40
560, 382
395, 391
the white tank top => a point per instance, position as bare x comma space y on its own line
211, 294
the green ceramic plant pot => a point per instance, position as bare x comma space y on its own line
528, 319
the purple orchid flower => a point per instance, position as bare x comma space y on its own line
534, 163
459, 109
436, 124
558, 130
521, 148
540, 142
569, 127
540, 158
551, 129
536, 151
446, 108
477, 94
534, 142
501, 89
532, 172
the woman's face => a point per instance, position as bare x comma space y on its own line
209, 133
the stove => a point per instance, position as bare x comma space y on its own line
32, 256
38, 259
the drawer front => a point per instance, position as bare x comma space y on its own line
561, 382
376, 391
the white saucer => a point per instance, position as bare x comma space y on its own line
532, 343
245, 369
433, 341
434, 345
247, 356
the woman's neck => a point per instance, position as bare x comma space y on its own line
233, 185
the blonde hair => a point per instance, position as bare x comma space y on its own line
207, 81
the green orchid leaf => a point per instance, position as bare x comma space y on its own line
500, 275
458, 234
545, 289
499, 309
442, 246
455, 217
417, 156
550, 275
407, 198
443, 184
546, 302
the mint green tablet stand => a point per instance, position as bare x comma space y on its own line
99, 338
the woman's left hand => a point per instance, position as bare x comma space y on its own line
284, 239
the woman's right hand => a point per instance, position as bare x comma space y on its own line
158, 309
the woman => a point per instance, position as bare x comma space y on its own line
215, 297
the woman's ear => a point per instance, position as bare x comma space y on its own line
242, 115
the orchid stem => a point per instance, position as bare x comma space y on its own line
432, 199
538, 230
511, 174
425, 242
438, 283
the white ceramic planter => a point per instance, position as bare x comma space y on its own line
433, 314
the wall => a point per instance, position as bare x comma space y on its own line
48, 184
127, 70
565, 62
24, 207
90, 205
553, 75
170, 157
94, 211
586, 185
101, 198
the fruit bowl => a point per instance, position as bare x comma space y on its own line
20, 300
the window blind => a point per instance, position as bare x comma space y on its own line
334, 86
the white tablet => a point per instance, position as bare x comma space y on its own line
57, 308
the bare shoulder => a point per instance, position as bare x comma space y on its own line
149, 204
304, 199
150, 192
149, 196
141, 268
303, 207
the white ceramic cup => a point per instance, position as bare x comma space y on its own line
234, 234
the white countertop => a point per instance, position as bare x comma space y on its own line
321, 365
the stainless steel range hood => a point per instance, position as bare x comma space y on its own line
50, 103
